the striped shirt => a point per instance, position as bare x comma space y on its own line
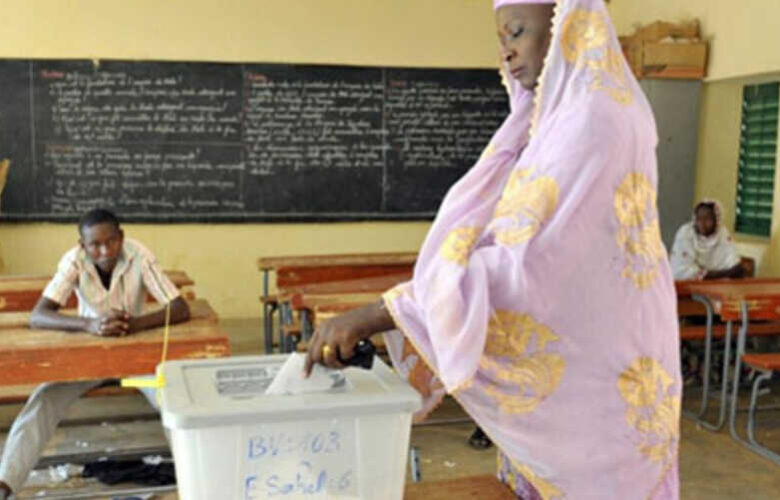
136, 273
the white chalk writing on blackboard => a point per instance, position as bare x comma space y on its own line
206, 141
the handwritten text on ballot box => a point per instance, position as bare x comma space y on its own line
311, 460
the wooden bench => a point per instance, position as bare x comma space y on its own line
21, 293
304, 282
763, 361
29, 357
757, 329
766, 364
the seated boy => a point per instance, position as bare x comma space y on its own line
111, 276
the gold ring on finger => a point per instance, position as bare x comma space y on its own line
326, 350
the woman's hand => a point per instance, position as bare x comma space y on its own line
335, 340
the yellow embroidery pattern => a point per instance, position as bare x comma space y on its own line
582, 31
639, 235
512, 478
521, 377
546, 489
529, 203
457, 246
652, 410
586, 42
489, 151
395, 292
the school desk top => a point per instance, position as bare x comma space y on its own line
357, 259
21, 292
30, 356
762, 297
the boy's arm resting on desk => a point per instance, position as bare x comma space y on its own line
46, 316
180, 312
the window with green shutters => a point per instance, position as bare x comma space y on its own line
757, 155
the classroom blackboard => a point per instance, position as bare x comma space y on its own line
187, 142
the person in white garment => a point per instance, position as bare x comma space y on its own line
703, 249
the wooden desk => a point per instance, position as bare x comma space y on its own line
354, 259
33, 356
348, 287
762, 297
690, 303
686, 306
308, 296
296, 275
736, 300
316, 301
21, 293
465, 488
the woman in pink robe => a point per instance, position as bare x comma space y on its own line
542, 298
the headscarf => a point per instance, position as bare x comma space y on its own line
542, 298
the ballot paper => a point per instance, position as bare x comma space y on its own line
289, 379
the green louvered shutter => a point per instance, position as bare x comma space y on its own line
757, 154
